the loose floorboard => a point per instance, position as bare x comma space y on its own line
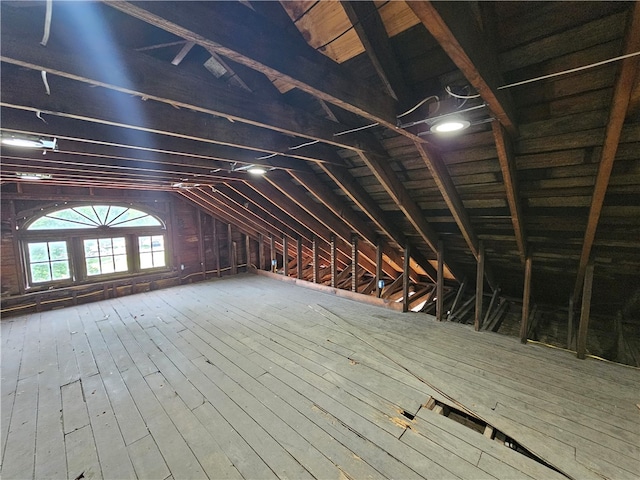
247, 377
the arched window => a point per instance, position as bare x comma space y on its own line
83, 243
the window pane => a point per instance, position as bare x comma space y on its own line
38, 252
58, 250
158, 259
60, 270
119, 245
121, 263
88, 214
146, 261
40, 272
106, 264
105, 246
157, 241
92, 216
91, 248
144, 244
93, 266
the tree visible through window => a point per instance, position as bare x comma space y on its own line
49, 261
105, 255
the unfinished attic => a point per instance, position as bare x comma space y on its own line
320, 239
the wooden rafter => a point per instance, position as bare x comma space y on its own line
237, 26
453, 26
625, 80
507, 166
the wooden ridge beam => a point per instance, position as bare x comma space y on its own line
452, 24
622, 90
244, 37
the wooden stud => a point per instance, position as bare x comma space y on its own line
526, 297
285, 256
479, 287
247, 249
440, 283
273, 266
334, 264
315, 262
260, 252
457, 299
16, 246
354, 264
216, 248
378, 268
299, 258
487, 315
230, 246
201, 249
585, 311
405, 278
234, 258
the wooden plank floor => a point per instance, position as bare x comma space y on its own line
248, 377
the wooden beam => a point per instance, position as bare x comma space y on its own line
354, 264
622, 90
244, 37
261, 258
316, 261
334, 266
585, 312
272, 254
299, 258
184, 51
378, 268
285, 256
216, 246
201, 250
453, 25
457, 299
405, 278
440, 283
526, 298
507, 166
477, 323
230, 250
371, 31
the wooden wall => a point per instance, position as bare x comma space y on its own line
191, 234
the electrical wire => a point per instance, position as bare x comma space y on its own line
462, 97
43, 74
572, 70
357, 129
422, 102
47, 23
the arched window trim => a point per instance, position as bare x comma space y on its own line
141, 249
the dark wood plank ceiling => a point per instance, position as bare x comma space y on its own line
150, 96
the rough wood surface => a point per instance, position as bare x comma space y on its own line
192, 382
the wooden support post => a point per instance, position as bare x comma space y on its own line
315, 261
457, 299
405, 278
261, 252
273, 266
570, 324
247, 249
440, 282
230, 246
334, 263
585, 311
526, 297
16, 246
299, 255
216, 248
354, 264
234, 258
201, 249
479, 287
285, 256
378, 268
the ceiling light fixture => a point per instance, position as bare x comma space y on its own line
29, 141
450, 126
256, 170
33, 176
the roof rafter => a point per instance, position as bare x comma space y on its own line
622, 90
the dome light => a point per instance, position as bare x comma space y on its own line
256, 170
450, 125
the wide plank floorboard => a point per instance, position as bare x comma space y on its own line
250, 378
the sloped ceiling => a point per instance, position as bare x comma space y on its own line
184, 96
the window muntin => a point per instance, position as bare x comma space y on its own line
152, 251
105, 255
48, 261
94, 216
